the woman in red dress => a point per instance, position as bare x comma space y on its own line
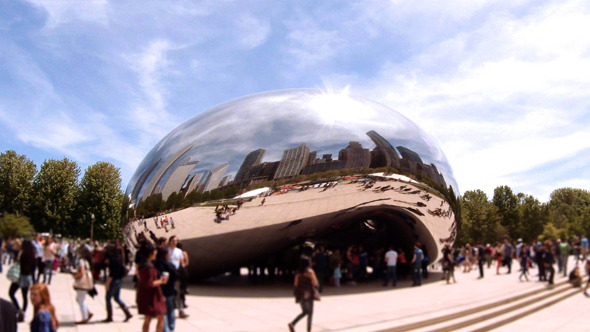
150, 300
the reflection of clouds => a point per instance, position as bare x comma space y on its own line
276, 121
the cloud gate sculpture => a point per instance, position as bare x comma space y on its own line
246, 181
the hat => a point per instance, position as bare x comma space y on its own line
519, 240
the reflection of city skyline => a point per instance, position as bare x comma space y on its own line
299, 160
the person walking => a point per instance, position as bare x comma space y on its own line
117, 272
524, 262
44, 319
27, 260
305, 292
448, 264
391, 261
83, 282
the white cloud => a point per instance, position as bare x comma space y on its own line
507, 93
252, 32
64, 11
149, 114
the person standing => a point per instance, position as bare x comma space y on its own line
165, 267
175, 257
149, 297
480, 259
508, 254
391, 261
524, 262
114, 282
183, 277
44, 319
564, 251
49, 251
320, 265
305, 282
417, 265
549, 260
40, 267
448, 264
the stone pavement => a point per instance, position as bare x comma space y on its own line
237, 305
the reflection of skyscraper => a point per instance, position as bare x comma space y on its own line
384, 151
409, 154
141, 181
193, 182
215, 177
354, 156
150, 190
293, 161
177, 179
225, 181
252, 159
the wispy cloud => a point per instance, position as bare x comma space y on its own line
65, 11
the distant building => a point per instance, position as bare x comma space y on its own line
177, 179
384, 154
252, 159
215, 177
293, 161
354, 156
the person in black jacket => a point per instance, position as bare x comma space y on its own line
549, 260
26, 259
164, 266
117, 272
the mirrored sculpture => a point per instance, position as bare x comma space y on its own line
246, 181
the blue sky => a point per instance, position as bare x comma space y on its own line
503, 85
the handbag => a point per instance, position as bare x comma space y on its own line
85, 281
13, 273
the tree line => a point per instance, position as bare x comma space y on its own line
513, 216
56, 199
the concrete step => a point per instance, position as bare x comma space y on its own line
444, 317
502, 312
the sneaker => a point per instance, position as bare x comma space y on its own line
182, 315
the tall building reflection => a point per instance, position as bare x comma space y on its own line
295, 161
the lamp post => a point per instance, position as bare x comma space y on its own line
92, 227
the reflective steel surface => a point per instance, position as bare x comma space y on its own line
312, 166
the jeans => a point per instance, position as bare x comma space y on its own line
563, 260
48, 270
390, 275
114, 292
170, 316
417, 275
81, 298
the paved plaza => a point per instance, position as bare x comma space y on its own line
238, 305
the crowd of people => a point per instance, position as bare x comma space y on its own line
161, 280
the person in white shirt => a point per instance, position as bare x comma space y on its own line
391, 261
176, 256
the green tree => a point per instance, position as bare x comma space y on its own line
16, 182
532, 216
507, 204
100, 196
569, 209
480, 219
55, 188
15, 226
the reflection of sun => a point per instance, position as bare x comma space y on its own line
339, 107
